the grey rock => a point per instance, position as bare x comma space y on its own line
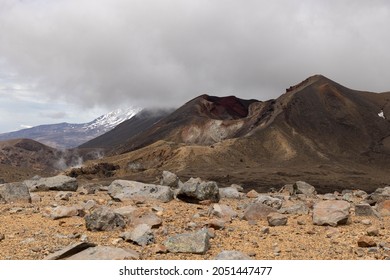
359, 252
158, 209
169, 179
372, 231
365, 209
345, 191
257, 211
379, 195
237, 187
360, 194
28, 240
301, 187
373, 250
385, 246
294, 208
90, 204
331, 212
196, 243
14, 192
103, 188
366, 222
276, 249
105, 253
60, 212
348, 197
332, 232
230, 192
123, 190
276, 219
216, 223
196, 190
126, 211
35, 198
141, 235
265, 230
191, 225
287, 189
210, 232
149, 218
16, 210
104, 219
329, 196
223, 211
90, 188
63, 196
69, 251
84, 238
269, 201
56, 183
232, 255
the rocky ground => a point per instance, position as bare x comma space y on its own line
60, 217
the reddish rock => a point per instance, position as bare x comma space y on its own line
252, 194
366, 241
216, 223
372, 231
331, 212
276, 219
257, 211
384, 208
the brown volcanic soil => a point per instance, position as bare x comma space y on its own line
21, 159
29, 235
230, 162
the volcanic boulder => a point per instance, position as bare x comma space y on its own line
14, 192
331, 212
122, 190
196, 190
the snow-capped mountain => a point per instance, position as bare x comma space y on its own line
110, 120
67, 135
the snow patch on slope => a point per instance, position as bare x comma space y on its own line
381, 114
112, 119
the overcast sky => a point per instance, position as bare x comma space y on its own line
72, 60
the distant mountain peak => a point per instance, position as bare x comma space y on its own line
66, 135
310, 80
112, 119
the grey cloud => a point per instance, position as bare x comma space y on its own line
163, 53
54, 115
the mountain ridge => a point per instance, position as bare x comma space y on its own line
317, 130
67, 135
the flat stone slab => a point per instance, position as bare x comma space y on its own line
60, 212
124, 190
105, 253
257, 211
197, 242
14, 192
232, 255
69, 251
56, 183
331, 212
